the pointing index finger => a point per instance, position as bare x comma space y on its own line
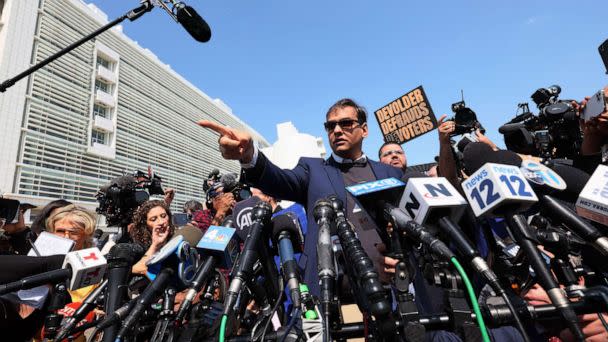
222, 130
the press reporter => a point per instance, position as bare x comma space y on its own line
152, 228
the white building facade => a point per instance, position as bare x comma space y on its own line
107, 107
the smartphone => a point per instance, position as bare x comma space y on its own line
603, 49
595, 106
181, 219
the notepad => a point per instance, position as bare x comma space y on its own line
49, 244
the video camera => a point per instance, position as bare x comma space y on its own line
228, 183
465, 119
121, 196
553, 133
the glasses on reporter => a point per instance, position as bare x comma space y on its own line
344, 124
388, 153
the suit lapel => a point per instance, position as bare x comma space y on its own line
377, 170
336, 180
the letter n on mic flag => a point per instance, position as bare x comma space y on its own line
407, 117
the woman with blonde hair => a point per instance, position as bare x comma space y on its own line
74, 223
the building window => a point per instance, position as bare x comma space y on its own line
103, 86
98, 137
102, 111
105, 63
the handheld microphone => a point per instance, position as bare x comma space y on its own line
553, 209
363, 271
121, 258
496, 189
221, 246
244, 266
152, 291
188, 18
178, 254
83, 268
287, 236
592, 202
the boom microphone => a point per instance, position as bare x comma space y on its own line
193, 23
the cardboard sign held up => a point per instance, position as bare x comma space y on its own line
407, 117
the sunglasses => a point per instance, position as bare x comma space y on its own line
344, 124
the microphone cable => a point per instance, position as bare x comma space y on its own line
465, 279
274, 309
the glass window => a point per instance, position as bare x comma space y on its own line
98, 137
102, 111
104, 62
103, 86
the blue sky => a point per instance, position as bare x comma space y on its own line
275, 61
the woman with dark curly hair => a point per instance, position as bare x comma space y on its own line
152, 228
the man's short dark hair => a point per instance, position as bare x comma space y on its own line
361, 112
386, 144
192, 206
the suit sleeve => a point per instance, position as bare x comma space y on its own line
282, 184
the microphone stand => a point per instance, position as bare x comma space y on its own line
52, 323
406, 306
132, 15
164, 331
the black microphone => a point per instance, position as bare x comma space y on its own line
243, 270
228, 221
121, 258
553, 209
193, 23
152, 291
323, 213
16, 267
116, 316
287, 236
364, 272
220, 245
87, 305
82, 268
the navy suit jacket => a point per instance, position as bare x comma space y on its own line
311, 180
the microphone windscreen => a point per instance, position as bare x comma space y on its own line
476, 154
131, 252
194, 24
288, 222
190, 233
229, 181
242, 216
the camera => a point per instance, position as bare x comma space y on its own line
122, 195
553, 133
465, 119
227, 183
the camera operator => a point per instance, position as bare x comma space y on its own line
219, 205
192, 206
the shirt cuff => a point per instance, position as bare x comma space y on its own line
254, 159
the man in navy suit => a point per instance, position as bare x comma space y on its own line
315, 178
